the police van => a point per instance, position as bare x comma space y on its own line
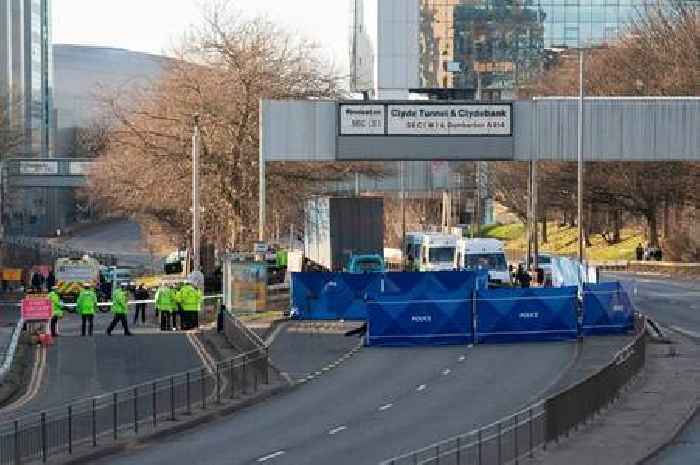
483, 254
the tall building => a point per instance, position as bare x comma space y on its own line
462, 49
26, 73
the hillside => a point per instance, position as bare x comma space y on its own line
563, 241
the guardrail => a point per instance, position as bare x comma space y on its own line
8, 353
519, 435
134, 411
631, 265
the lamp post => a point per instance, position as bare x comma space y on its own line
581, 245
195, 197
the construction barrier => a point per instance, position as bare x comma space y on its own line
524, 315
407, 309
607, 309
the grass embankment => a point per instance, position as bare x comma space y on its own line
564, 241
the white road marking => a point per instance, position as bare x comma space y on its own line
385, 407
337, 430
462, 358
271, 456
686, 332
470, 346
422, 387
446, 372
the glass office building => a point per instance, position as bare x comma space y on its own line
26, 72
472, 48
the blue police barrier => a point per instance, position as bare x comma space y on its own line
607, 309
409, 309
523, 315
330, 296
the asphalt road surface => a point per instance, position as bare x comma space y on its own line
122, 238
380, 403
674, 304
78, 367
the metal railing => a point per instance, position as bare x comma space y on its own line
519, 435
132, 411
7, 354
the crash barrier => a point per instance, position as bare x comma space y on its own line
7, 353
607, 309
422, 308
239, 335
131, 412
524, 315
520, 435
330, 296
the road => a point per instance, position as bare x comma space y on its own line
382, 402
77, 367
122, 238
674, 304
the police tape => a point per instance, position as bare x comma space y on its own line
109, 304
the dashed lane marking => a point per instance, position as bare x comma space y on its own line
446, 372
462, 358
337, 430
422, 387
271, 456
385, 407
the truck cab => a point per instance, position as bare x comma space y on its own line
430, 251
367, 263
483, 254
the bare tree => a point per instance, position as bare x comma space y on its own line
221, 71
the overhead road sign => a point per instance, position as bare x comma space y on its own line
614, 129
432, 119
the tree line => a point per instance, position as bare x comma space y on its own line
659, 55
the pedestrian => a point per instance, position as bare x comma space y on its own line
56, 309
87, 307
522, 277
165, 304
36, 282
50, 280
639, 252
140, 294
120, 307
190, 298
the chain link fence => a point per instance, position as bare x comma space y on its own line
518, 436
136, 410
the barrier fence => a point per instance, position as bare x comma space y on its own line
520, 435
132, 411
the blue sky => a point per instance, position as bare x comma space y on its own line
151, 25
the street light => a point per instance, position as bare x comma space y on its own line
195, 196
581, 247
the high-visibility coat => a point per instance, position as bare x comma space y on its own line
56, 307
189, 298
120, 305
87, 302
165, 300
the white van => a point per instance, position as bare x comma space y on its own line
430, 251
485, 254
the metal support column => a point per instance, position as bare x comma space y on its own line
196, 257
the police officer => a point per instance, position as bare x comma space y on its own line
190, 299
119, 310
87, 307
165, 304
57, 309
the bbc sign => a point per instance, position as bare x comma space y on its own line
404, 119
